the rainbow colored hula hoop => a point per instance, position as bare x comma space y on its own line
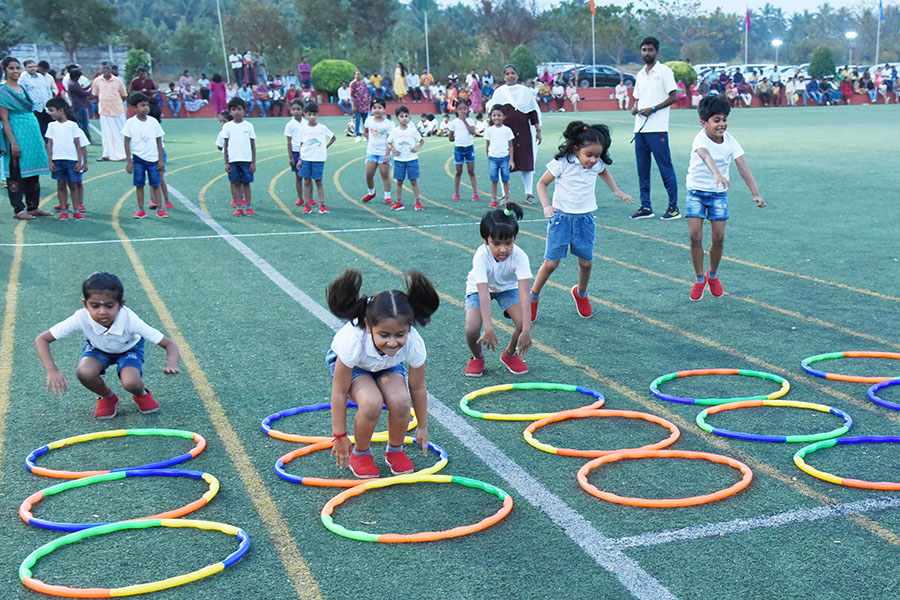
674, 432
851, 378
857, 483
322, 482
59, 474
654, 387
266, 424
154, 586
599, 400
425, 536
664, 502
30, 501
873, 393
806, 438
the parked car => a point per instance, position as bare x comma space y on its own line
606, 76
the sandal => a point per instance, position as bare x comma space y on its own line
37, 212
24, 216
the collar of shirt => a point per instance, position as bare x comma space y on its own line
117, 327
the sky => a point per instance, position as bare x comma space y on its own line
739, 6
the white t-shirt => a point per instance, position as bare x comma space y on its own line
699, 176
235, 60
313, 141
378, 135
621, 92
343, 93
292, 130
651, 89
220, 139
239, 136
574, 191
143, 136
355, 348
122, 335
405, 140
498, 139
500, 276
461, 135
63, 136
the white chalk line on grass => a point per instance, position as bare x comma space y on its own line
599, 547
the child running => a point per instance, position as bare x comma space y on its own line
314, 139
500, 271
580, 160
291, 132
499, 149
377, 128
115, 335
366, 361
462, 130
144, 154
404, 142
67, 148
712, 151
240, 154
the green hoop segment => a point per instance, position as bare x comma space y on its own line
654, 387
806, 438
599, 400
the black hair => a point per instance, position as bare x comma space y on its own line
460, 102
430, 117
711, 106
217, 78
401, 109
311, 107
579, 134
60, 104
5, 63
226, 115
416, 305
501, 224
652, 41
298, 102
74, 74
498, 108
103, 283
378, 101
43, 64
136, 98
235, 102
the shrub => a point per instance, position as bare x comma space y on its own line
327, 75
683, 72
821, 63
524, 62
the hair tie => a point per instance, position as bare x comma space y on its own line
507, 212
584, 128
369, 299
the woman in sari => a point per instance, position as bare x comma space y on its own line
475, 98
400, 89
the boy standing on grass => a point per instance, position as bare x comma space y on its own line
404, 142
144, 153
707, 183
499, 149
291, 132
314, 140
67, 149
240, 154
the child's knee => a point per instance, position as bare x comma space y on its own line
86, 372
369, 411
131, 380
718, 238
585, 265
696, 237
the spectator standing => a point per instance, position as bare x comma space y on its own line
110, 92
304, 69
250, 68
236, 62
40, 90
400, 89
475, 98
81, 102
262, 69
186, 83
359, 102
217, 94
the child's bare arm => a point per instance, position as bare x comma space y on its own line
50, 154
450, 135
253, 155
171, 349
331, 141
703, 153
524, 343
225, 154
512, 161
543, 196
470, 128
744, 170
290, 150
82, 153
159, 149
340, 389
607, 178
418, 146
488, 335
56, 381
129, 166
418, 393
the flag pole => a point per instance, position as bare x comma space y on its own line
593, 50
222, 37
746, 34
878, 31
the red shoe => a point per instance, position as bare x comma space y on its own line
238, 212
363, 466
365, 199
397, 205
493, 204
162, 214
475, 197
244, 204
697, 289
168, 205
140, 214
63, 215
58, 207
323, 210
311, 202
514, 363
299, 202
715, 286
475, 367
306, 209
388, 201
399, 462
152, 206
583, 304
106, 407
250, 212
234, 202
534, 306
419, 206
145, 402
77, 216
81, 209
456, 196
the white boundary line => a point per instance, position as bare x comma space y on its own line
599, 547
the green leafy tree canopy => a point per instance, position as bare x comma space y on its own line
73, 25
524, 62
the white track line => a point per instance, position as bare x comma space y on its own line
601, 548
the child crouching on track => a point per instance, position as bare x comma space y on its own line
115, 335
366, 361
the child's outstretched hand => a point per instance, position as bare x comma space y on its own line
171, 369
625, 198
57, 383
720, 180
489, 339
341, 451
422, 439
759, 201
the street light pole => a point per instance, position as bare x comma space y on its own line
777, 43
850, 35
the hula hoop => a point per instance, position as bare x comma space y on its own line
811, 437
674, 432
141, 588
873, 393
857, 483
266, 424
425, 536
654, 387
665, 502
30, 501
87, 437
322, 482
599, 400
851, 378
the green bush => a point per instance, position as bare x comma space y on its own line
524, 62
327, 75
136, 59
821, 63
683, 72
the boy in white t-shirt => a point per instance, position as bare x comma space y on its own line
144, 153
314, 140
499, 149
291, 131
67, 149
404, 142
240, 155
712, 151
462, 131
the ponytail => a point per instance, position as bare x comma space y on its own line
343, 297
579, 134
415, 306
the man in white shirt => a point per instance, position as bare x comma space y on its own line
236, 62
412, 83
654, 92
40, 90
344, 100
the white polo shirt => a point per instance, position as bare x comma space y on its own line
651, 89
699, 176
574, 191
354, 346
499, 276
121, 336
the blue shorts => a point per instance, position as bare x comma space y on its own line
311, 169
133, 357
65, 171
144, 169
406, 169
707, 205
463, 154
240, 172
504, 299
296, 156
568, 231
378, 159
499, 168
331, 360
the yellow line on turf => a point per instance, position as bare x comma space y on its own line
277, 526
7, 333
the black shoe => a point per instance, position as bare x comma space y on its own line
643, 213
671, 214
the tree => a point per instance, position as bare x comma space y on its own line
507, 22
190, 48
617, 31
323, 20
73, 25
676, 21
10, 30
821, 63
567, 29
523, 60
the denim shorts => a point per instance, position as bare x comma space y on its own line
568, 231
65, 171
378, 159
707, 205
498, 168
133, 357
311, 169
505, 299
296, 156
144, 169
463, 154
331, 360
240, 172
406, 169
